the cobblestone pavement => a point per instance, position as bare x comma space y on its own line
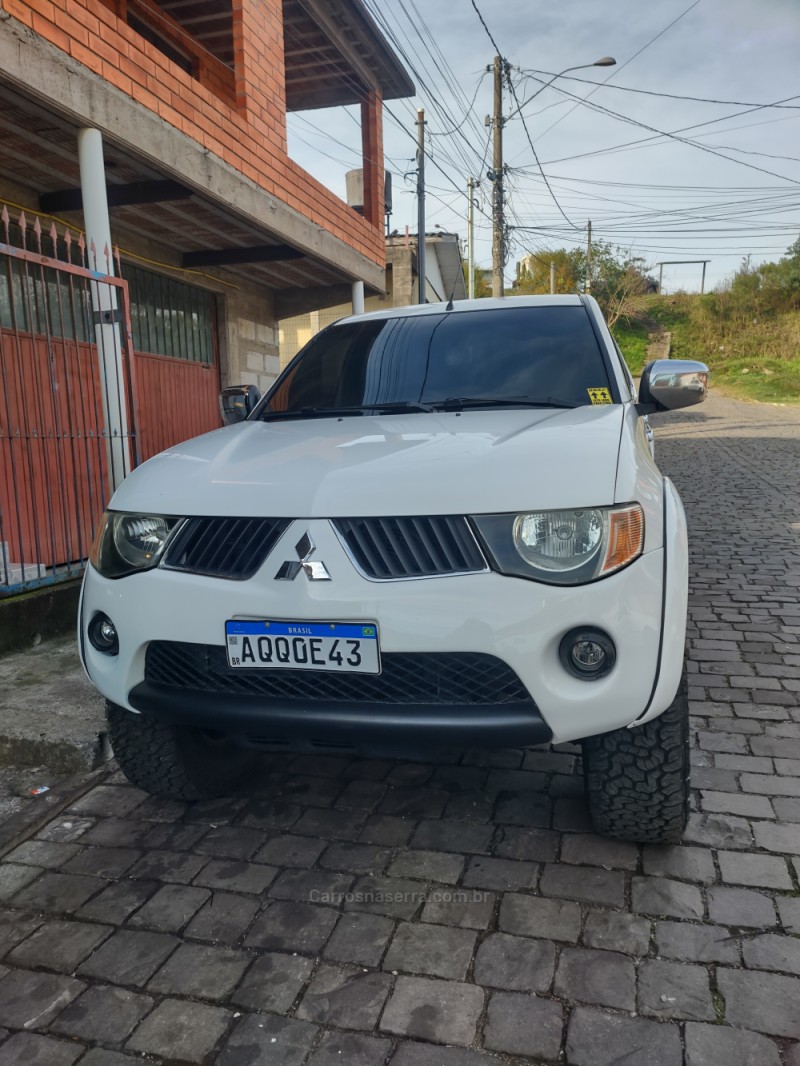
361, 912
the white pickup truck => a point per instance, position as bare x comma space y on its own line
443, 526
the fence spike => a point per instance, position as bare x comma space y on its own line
23, 225
6, 222
68, 244
37, 229
54, 239
107, 256
92, 255
118, 260
82, 248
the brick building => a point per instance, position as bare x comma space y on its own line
221, 234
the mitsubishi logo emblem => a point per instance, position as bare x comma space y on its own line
314, 571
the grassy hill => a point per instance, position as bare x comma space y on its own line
753, 356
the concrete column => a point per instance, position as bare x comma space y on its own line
104, 304
358, 297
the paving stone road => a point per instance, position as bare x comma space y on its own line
362, 912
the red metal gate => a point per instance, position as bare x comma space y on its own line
59, 357
178, 399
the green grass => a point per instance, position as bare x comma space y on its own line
751, 356
632, 335
766, 380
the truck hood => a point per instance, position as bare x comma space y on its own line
421, 463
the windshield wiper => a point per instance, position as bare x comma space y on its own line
399, 405
455, 403
391, 407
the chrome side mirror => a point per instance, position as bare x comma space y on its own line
236, 402
668, 384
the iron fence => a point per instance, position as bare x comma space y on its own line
67, 408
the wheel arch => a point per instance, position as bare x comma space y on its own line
674, 608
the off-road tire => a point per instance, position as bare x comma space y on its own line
637, 780
176, 761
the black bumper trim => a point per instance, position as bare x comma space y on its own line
281, 722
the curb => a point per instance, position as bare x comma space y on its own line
60, 756
20, 826
31, 617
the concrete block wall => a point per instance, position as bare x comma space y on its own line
250, 349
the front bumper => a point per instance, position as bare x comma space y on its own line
314, 724
519, 622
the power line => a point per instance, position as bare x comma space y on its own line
400, 125
651, 92
643, 141
486, 28
535, 155
673, 136
627, 62
447, 133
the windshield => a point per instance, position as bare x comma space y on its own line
546, 356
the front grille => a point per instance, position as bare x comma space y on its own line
421, 678
224, 547
391, 548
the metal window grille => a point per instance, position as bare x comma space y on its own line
45, 303
171, 318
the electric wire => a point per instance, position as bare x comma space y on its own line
627, 62
652, 92
674, 136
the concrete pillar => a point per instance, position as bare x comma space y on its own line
104, 304
358, 297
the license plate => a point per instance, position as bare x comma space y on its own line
335, 646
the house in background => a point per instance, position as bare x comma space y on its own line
221, 234
444, 277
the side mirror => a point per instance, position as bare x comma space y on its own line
668, 384
236, 402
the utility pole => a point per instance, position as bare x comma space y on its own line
498, 241
588, 286
422, 292
470, 238
552, 276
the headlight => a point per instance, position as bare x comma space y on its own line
564, 547
558, 540
129, 543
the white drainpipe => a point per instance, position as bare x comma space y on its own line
358, 297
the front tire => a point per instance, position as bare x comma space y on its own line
176, 761
637, 780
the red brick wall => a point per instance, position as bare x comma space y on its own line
249, 133
372, 151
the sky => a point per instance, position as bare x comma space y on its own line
662, 199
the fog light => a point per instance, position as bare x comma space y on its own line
103, 635
587, 653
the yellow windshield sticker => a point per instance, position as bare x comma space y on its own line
600, 395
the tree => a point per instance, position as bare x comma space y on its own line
533, 275
621, 300
483, 288
768, 288
616, 280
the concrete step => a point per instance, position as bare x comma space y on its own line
50, 714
